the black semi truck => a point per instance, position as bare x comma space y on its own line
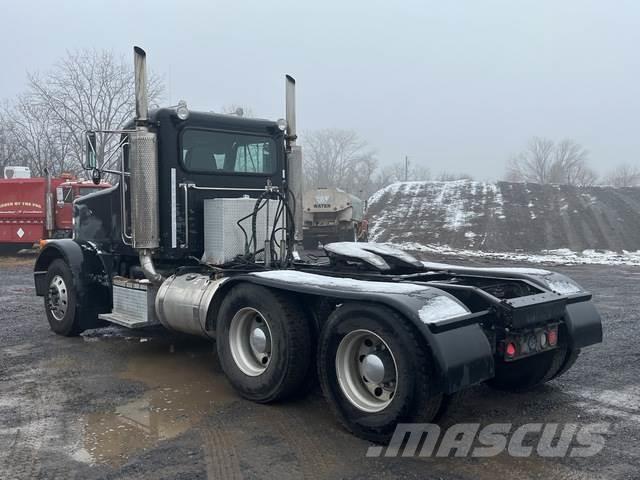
200, 235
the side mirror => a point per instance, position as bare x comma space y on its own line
90, 157
96, 176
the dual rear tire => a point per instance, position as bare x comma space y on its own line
531, 372
375, 372
373, 369
263, 342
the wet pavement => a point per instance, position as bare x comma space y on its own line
151, 404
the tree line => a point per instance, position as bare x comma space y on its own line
340, 158
44, 126
565, 162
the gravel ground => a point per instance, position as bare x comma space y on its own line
120, 404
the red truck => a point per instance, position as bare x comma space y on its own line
32, 209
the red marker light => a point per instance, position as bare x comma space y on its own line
510, 350
552, 337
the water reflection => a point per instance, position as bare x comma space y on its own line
183, 387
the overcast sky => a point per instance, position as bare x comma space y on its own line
456, 85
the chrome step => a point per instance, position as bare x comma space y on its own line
125, 320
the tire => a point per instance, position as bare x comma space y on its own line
569, 359
531, 372
287, 332
60, 302
374, 415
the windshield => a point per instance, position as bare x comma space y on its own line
88, 190
211, 151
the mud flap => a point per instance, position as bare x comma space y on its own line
584, 325
464, 357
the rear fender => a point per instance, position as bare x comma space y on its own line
463, 355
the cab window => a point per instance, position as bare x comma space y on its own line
67, 194
209, 151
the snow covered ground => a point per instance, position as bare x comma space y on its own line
562, 256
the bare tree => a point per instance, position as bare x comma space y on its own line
534, 164
547, 162
570, 165
10, 153
624, 175
89, 90
37, 138
339, 158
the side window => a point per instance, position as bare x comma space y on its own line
210, 152
67, 194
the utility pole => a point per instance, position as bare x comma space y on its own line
406, 168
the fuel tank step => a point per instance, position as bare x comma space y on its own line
133, 303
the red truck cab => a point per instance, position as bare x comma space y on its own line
65, 194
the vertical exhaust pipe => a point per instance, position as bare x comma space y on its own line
294, 158
49, 224
143, 166
140, 71
291, 110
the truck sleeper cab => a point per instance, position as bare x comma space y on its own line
200, 236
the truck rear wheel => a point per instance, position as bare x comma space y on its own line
375, 372
263, 342
60, 302
529, 373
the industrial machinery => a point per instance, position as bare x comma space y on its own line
37, 208
201, 235
332, 215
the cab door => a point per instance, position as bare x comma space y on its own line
64, 207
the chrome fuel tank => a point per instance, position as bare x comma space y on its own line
183, 302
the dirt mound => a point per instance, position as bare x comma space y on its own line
506, 216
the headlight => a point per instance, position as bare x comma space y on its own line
282, 124
182, 111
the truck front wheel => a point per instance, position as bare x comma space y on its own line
60, 300
375, 372
263, 342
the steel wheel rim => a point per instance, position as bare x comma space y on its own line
250, 341
58, 300
367, 371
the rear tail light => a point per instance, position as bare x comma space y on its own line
510, 350
552, 337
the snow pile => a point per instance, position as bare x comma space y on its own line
562, 256
508, 217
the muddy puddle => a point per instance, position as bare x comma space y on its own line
184, 385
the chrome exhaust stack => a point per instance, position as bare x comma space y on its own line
294, 157
290, 101
143, 166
